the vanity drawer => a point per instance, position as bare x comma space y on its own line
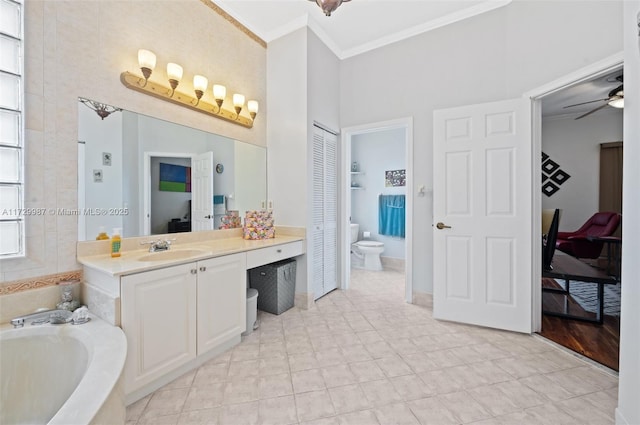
262, 256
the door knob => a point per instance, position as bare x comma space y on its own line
441, 226
208, 216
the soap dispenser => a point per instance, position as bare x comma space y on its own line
102, 234
116, 242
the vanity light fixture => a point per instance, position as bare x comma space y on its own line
199, 102
219, 93
238, 103
200, 84
252, 106
102, 109
174, 72
147, 62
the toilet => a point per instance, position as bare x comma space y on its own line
365, 254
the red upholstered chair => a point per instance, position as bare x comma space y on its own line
578, 244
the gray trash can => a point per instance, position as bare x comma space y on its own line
276, 283
252, 313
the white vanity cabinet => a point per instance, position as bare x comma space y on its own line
158, 316
222, 301
175, 314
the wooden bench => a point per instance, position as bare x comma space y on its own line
569, 268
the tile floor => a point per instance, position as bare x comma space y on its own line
364, 356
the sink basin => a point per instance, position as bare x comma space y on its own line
172, 254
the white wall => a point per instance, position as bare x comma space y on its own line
498, 55
101, 136
376, 153
575, 146
323, 106
304, 85
166, 205
287, 136
79, 48
132, 192
628, 411
250, 170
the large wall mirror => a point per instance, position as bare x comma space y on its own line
147, 176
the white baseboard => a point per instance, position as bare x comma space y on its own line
423, 299
303, 300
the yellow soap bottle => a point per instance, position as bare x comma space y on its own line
116, 242
102, 234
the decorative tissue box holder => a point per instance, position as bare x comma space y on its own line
258, 225
231, 220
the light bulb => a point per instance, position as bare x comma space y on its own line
174, 72
146, 59
238, 103
219, 93
200, 83
252, 106
238, 100
147, 62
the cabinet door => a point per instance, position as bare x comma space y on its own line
158, 318
222, 293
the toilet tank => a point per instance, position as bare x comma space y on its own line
355, 228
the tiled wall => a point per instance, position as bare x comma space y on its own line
79, 48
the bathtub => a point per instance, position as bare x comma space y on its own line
62, 374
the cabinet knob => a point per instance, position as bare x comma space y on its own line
279, 251
194, 271
203, 268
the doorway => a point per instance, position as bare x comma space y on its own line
169, 199
357, 175
571, 144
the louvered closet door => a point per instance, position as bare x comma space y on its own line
330, 211
325, 212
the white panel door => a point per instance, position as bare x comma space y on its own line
159, 320
482, 201
202, 192
324, 214
222, 302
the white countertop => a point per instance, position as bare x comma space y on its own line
132, 261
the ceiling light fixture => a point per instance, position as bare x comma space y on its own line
208, 102
329, 6
102, 109
616, 97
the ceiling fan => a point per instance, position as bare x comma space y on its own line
614, 99
329, 6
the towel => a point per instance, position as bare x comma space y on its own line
391, 212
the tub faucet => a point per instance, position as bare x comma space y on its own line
54, 317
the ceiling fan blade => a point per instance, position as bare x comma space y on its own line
593, 110
584, 103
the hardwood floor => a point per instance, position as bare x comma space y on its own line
598, 342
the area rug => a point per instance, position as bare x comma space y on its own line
586, 294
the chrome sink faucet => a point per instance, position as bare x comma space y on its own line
158, 245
